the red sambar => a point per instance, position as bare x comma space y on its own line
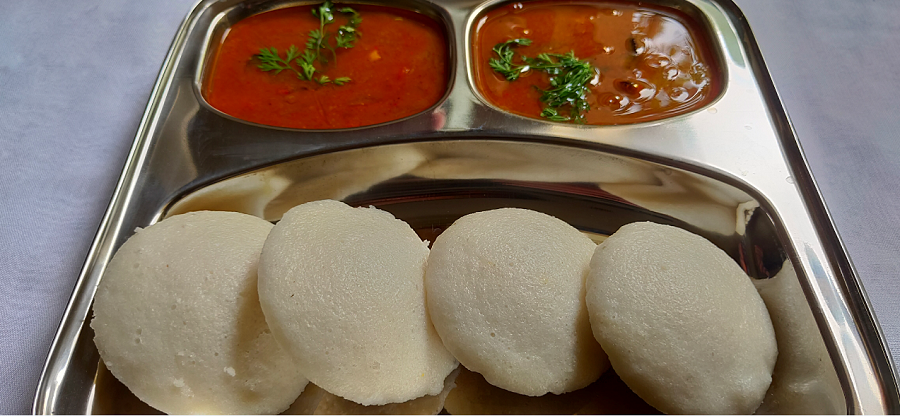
398, 68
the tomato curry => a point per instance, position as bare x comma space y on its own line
398, 67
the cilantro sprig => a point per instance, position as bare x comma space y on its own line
347, 34
303, 64
569, 79
270, 60
504, 65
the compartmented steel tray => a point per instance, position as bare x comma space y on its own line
732, 171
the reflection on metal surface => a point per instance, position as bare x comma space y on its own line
430, 184
608, 395
111, 397
804, 381
693, 199
270, 192
425, 405
703, 171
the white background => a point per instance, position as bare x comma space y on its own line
75, 77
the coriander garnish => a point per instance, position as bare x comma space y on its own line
347, 34
505, 65
569, 77
271, 60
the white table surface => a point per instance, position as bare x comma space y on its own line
75, 77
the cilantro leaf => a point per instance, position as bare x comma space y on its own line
316, 42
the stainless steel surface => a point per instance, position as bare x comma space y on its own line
732, 171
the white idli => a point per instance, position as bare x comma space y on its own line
506, 293
682, 323
342, 289
177, 318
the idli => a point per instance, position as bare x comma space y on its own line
342, 289
682, 323
506, 293
177, 318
